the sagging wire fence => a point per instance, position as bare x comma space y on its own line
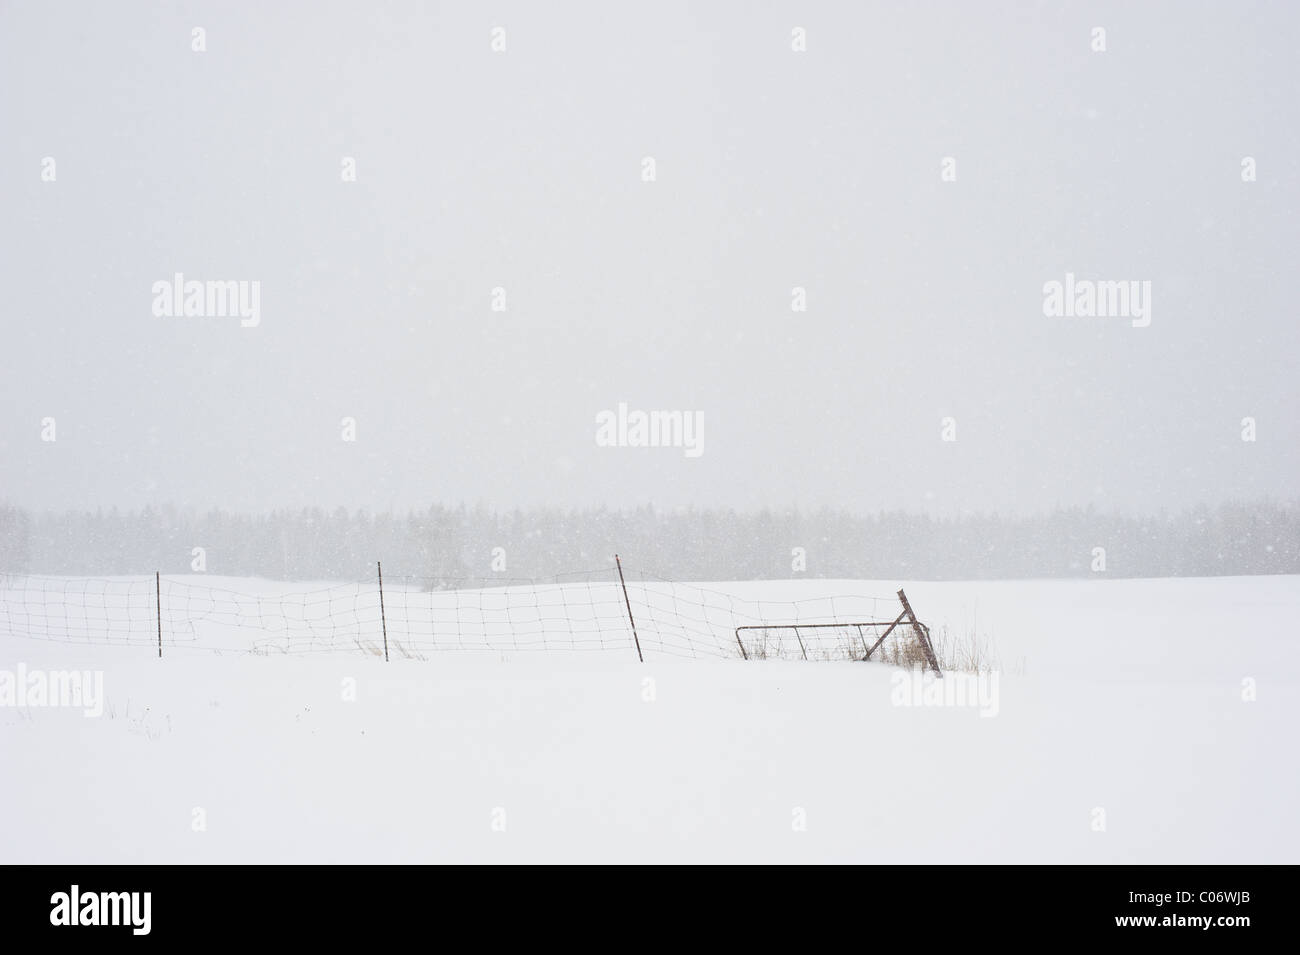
412, 617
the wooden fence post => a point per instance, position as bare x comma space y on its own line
922, 634
383, 620
629, 608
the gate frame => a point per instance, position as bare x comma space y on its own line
921, 631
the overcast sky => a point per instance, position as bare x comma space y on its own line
523, 169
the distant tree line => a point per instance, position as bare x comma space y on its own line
447, 544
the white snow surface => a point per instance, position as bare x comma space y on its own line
1166, 708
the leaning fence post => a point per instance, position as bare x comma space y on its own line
383, 621
157, 590
629, 608
921, 635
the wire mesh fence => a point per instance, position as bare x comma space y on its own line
414, 617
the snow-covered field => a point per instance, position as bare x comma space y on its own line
1133, 721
